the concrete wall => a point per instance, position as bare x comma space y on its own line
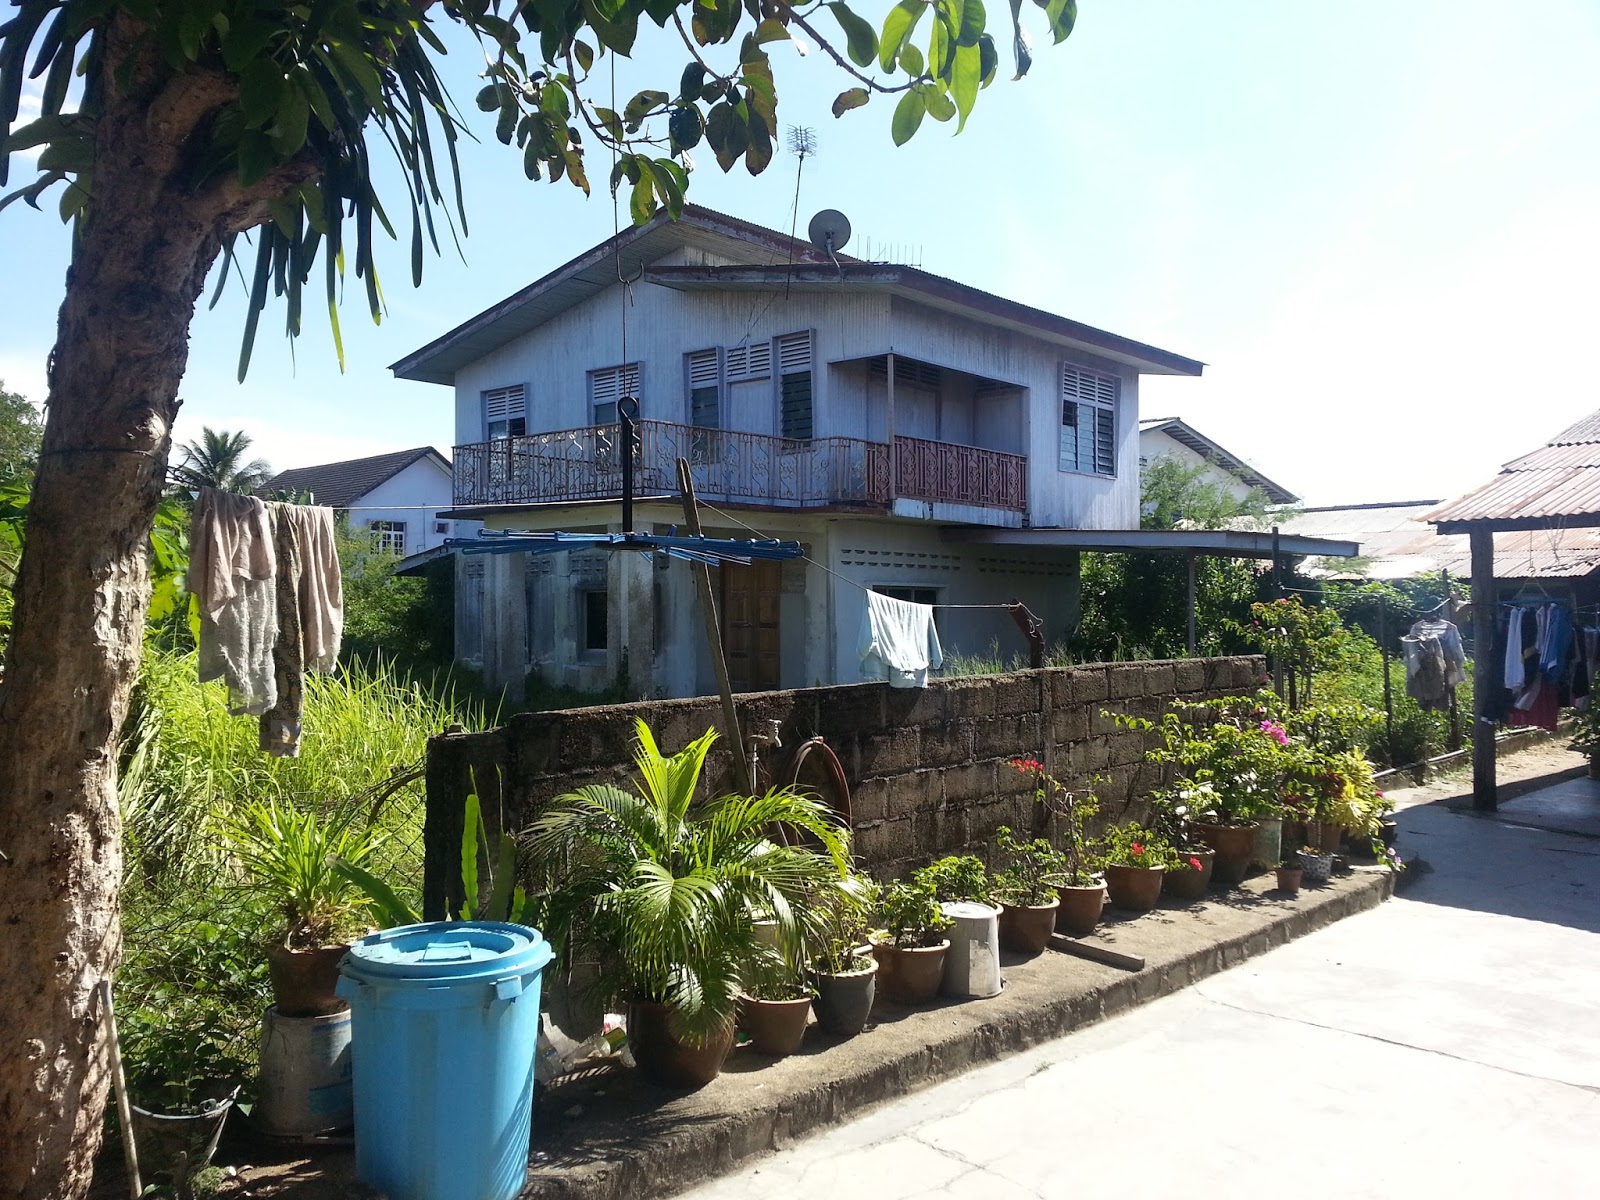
927, 767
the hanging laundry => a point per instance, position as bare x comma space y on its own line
1435, 662
232, 569
898, 642
309, 594
1515, 676
1538, 706
1556, 642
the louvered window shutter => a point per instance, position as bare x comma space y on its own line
1088, 421
607, 387
505, 412
795, 391
705, 390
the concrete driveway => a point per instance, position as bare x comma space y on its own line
1446, 1044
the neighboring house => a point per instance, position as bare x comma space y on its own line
918, 436
1396, 543
399, 497
1175, 438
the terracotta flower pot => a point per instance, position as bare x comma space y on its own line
1187, 882
1268, 849
1317, 867
1080, 907
303, 981
1134, 888
909, 975
776, 1027
844, 1002
666, 1058
1234, 844
1289, 880
1026, 928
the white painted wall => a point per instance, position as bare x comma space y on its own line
1154, 444
416, 496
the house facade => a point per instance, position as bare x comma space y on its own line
888, 419
398, 497
1174, 438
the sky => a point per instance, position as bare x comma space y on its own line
1378, 224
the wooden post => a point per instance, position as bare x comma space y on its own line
708, 610
1455, 708
1193, 639
888, 426
1487, 669
1388, 695
1277, 594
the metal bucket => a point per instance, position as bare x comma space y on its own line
305, 1075
972, 964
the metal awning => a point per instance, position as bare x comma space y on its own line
1231, 543
689, 547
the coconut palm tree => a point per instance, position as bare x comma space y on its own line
217, 460
666, 889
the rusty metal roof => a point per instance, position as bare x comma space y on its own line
1549, 488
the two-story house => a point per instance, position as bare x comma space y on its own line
903, 427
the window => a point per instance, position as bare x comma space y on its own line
1089, 421
505, 412
389, 536
595, 611
705, 403
750, 361
914, 595
441, 527
608, 386
794, 386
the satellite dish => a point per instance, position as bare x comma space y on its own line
829, 230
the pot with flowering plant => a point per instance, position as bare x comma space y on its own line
1171, 809
910, 946
1136, 866
1026, 889
1080, 886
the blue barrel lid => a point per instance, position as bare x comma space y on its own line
441, 952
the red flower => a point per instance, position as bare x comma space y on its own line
1195, 863
1027, 766
1137, 848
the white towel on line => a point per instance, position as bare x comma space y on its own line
898, 642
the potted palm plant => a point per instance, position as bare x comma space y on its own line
291, 855
1136, 865
910, 946
1080, 887
660, 886
1026, 889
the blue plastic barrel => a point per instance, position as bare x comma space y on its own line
444, 1025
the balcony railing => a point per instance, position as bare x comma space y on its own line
945, 472
750, 468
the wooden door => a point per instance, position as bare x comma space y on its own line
751, 599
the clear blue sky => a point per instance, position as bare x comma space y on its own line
1378, 223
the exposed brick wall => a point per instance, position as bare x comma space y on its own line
926, 767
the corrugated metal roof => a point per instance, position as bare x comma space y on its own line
1186, 434
1560, 481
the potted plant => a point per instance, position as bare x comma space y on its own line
1290, 874
1079, 885
910, 946
292, 856
1026, 889
775, 1006
1190, 874
1586, 737
659, 885
956, 879
960, 884
1316, 865
1136, 865
1170, 816
844, 974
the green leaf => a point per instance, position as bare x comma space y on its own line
908, 116
759, 152
640, 106
898, 26
641, 204
773, 30
489, 98
387, 907
505, 878
685, 128
940, 106
1062, 16
256, 157
727, 134
693, 80
989, 59
973, 20
853, 98
584, 54
911, 60
261, 87
1020, 47
470, 822
965, 79
294, 114
941, 48
860, 41
246, 39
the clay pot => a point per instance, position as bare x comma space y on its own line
1235, 845
1134, 888
1332, 837
909, 975
665, 1058
1318, 868
1026, 928
1079, 911
303, 981
844, 1002
1268, 851
1188, 883
1289, 880
776, 1027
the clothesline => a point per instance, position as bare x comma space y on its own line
856, 582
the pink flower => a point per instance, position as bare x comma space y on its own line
1195, 863
1275, 732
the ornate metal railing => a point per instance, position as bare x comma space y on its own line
752, 468
943, 471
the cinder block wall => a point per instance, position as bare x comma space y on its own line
926, 767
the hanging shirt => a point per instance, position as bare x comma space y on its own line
232, 572
309, 595
1435, 662
1557, 642
898, 642
1515, 676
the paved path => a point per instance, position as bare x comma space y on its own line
1444, 1045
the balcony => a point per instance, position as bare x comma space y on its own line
742, 468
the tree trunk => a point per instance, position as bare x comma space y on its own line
121, 350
